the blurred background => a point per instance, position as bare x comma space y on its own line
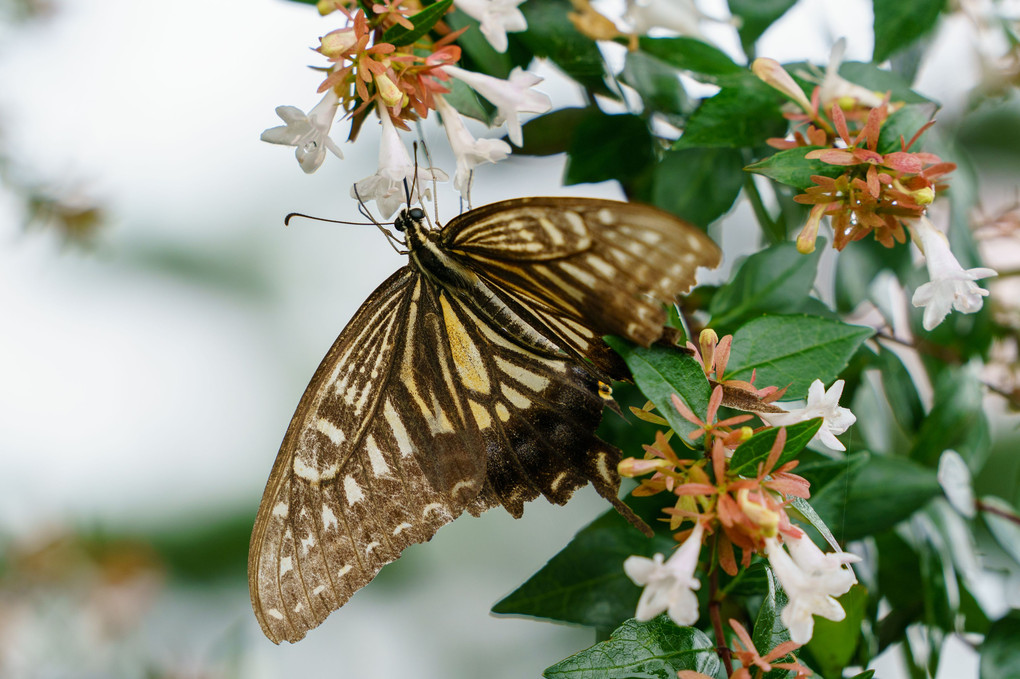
158, 325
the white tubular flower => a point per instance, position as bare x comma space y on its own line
834, 89
680, 16
823, 404
951, 287
510, 97
810, 578
309, 133
954, 477
668, 586
470, 152
386, 186
495, 17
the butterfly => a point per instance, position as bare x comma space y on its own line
474, 376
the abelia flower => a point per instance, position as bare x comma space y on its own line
836, 90
470, 152
308, 132
950, 285
679, 16
496, 18
386, 186
510, 97
823, 404
668, 586
811, 580
748, 655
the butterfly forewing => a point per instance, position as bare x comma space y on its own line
460, 392
634, 259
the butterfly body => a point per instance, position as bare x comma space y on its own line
475, 376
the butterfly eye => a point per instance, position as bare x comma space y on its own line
416, 213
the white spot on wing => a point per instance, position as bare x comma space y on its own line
286, 565
280, 509
343, 571
352, 490
399, 431
329, 519
275, 614
401, 527
330, 431
376, 457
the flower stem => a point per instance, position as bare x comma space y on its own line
772, 229
714, 604
1009, 516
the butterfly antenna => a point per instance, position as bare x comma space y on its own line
432, 173
390, 238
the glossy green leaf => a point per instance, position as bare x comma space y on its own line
656, 649
476, 52
608, 147
956, 411
657, 82
585, 583
901, 126
790, 167
467, 102
553, 132
899, 23
769, 630
756, 449
867, 74
861, 503
833, 644
794, 351
704, 61
551, 35
660, 372
776, 280
736, 117
423, 22
699, 185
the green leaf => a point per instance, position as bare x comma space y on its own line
776, 280
769, 630
608, 147
790, 167
794, 351
736, 117
1000, 652
698, 185
899, 23
477, 54
956, 411
660, 372
756, 449
857, 269
585, 583
553, 132
802, 509
867, 74
656, 649
423, 22
551, 35
755, 17
694, 56
833, 644
901, 126
467, 102
861, 503
658, 83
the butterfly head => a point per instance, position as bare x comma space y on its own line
409, 217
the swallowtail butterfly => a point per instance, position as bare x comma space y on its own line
475, 376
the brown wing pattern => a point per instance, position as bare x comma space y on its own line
423, 408
607, 267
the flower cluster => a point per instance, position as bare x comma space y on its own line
871, 189
740, 511
752, 663
398, 59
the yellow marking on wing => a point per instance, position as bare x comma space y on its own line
481, 415
466, 356
531, 380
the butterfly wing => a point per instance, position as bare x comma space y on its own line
582, 268
361, 474
423, 407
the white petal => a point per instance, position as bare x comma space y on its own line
954, 477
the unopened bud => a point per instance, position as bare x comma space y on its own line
632, 466
336, 44
388, 91
761, 516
